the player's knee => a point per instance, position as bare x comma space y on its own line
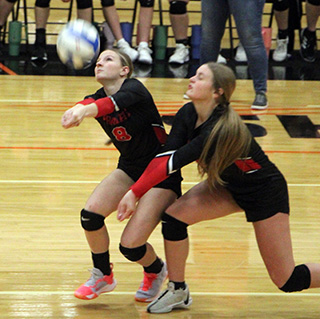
91, 221
281, 5
300, 279
178, 7
314, 2
107, 3
173, 229
133, 254
42, 3
146, 3
84, 4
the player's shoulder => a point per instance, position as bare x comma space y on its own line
136, 88
187, 110
132, 83
97, 95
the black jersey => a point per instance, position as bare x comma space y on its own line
247, 179
186, 144
135, 127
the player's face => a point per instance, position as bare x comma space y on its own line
108, 66
200, 85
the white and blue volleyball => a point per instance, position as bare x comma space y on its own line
78, 44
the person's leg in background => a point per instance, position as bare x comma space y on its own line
144, 27
112, 18
281, 13
41, 11
179, 22
84, 10
248, 19
5, 9
308, 35
214, 16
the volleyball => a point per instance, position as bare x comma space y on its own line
78, 44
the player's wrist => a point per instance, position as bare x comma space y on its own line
90, 110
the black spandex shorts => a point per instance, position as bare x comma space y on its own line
263, 200
173, 182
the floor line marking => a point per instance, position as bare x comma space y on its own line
36, 148
7, 70
218, 294
97, 182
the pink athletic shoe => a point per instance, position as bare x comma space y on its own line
96, 285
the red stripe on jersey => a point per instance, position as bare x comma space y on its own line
160, 134
86, 101
247, 165
155, 173
105, 106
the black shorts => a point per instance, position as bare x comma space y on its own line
134, 171
264, 200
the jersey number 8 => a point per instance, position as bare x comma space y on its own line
121, 134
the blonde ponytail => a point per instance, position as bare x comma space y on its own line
230, 138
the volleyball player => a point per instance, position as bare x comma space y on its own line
126, 112
240, 177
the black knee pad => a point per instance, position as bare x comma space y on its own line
84, 4
314, 2
173, 229
280, 5
91, 221
42, 3
146, 3
299, 280
178, 7
133, 254
107, 3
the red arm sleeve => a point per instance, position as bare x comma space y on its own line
105, 106
87, 101
155, 173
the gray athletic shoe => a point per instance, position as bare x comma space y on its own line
260, 102
151, 285
171, 299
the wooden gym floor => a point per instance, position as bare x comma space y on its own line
47, 173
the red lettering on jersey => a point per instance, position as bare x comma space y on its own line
111, 120
121, 135
122, 116
247, 165
117, 117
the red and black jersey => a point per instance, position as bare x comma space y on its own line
135, 126
185, 144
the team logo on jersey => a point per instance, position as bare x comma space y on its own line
247, 165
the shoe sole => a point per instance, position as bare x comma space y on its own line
305, 59
145, 62
240, 60
148, 300
258, 107
98, 293
178, 62
179, 305
279, 60
144, 300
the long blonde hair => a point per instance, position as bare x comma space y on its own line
230, 136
